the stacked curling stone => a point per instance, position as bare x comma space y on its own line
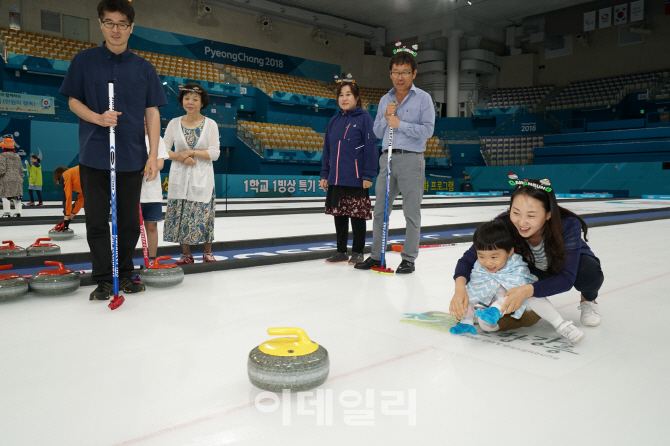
40, 249
61, 235
12, 286
52, 282
11, 250
293, 363
162, 275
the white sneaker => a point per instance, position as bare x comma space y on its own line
590, 316
568, 330
6, 214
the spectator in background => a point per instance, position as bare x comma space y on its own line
189, 219
34, 179
11, 178
348, 165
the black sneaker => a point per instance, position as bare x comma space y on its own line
102, 292
338, 257
128, 286
405, 267
368, 264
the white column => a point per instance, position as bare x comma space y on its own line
453, 65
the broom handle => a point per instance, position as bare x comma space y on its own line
112, 177
144, 240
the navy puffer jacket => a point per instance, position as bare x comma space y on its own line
350, 153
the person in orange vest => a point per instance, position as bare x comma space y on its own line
69, 179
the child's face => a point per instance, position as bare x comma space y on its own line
33, 160
495, 260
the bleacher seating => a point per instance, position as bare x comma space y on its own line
511, 150
434, 148
181, 67
281, 136
665, 92
271, 82
369, 96
519, 97
41, 45
602, 92
50, 47
293, 137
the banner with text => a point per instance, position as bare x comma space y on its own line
26, 103
162, 42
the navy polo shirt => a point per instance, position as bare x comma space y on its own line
136, 88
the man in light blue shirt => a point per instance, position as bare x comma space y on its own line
410, 112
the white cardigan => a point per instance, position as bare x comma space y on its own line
193, 183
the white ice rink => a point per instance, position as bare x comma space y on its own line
169, 366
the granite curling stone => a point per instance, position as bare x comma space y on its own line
12, 250
54, 281
67, 234
293, 363
40, 249
12, 286
162, 275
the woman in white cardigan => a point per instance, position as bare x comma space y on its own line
189, 219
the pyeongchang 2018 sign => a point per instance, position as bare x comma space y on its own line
242, 56
179, 45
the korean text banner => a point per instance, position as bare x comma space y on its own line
26, 103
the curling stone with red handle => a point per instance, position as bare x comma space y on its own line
65, 234
162, 275
40, 249
11, 250
12, 286
54, 281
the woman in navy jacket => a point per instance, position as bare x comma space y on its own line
348, 166
549, 238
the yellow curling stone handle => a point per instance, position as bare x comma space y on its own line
293, 346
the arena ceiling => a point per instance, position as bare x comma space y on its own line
399, 14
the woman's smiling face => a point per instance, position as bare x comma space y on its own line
528, 216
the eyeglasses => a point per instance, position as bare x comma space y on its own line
122, 26
403, 74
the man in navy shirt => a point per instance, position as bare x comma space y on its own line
409, 111
138, 93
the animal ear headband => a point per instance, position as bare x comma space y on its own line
405, 49
544, 184
349, 79
190, 90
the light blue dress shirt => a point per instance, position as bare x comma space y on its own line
417, 120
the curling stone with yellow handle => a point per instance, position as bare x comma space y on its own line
295, 363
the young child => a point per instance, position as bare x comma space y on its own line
34, 179
11, 178
151, 199
497, 270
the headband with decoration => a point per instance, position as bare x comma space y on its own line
544, 183
405, 49
349, 79
190, 90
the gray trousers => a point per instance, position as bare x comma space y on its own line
407, 178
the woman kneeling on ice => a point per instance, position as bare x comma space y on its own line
549, 239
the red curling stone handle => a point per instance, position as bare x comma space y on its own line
157, 265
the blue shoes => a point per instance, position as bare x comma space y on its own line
463, 328
490, 315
